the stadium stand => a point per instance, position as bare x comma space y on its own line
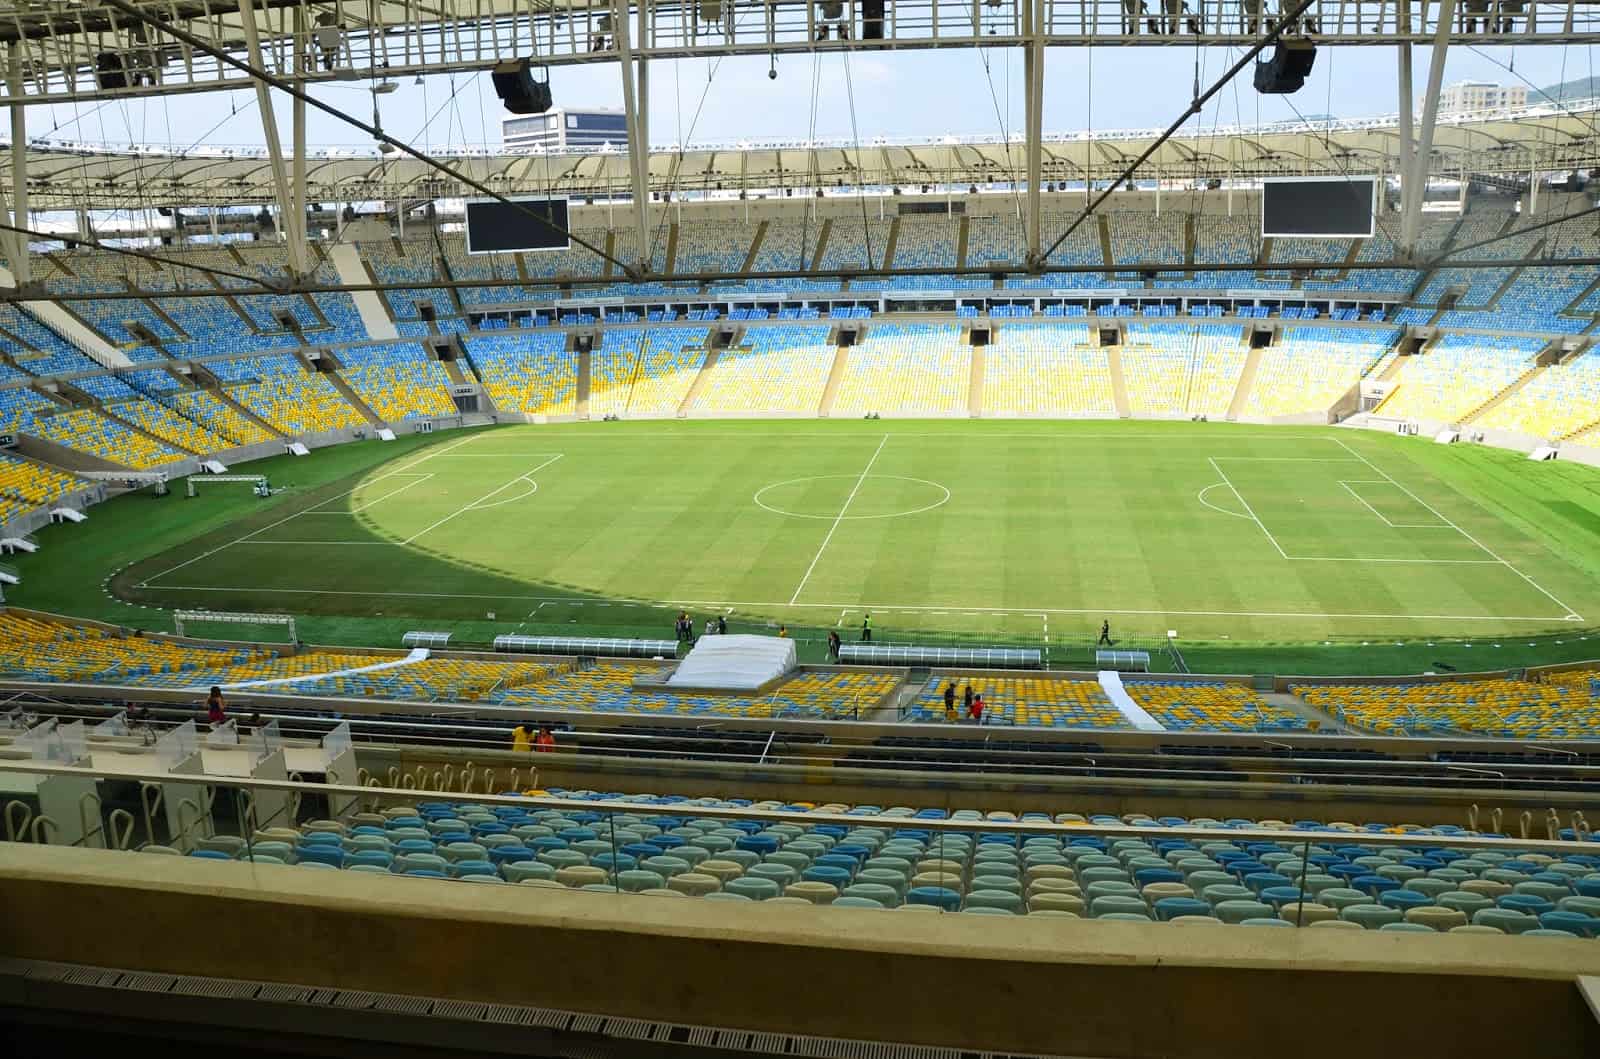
297, 403
25, 485
398, 382
1510, 709
1044, 702
174, 429
1457, 375
1180, 369
1212, 707
529, 373
1310, 368
907, 369
1035, 369
608, 687
222, 419
1316, 874
779, 370
88, 431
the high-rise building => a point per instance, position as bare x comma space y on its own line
1468, 96
565, 128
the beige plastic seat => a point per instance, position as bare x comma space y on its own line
1157, 890
914, 908
1476, 928
1436, 917
694, 884
1195, 921
792, 900
276, 834
1486, 887
1053, 886
721, 870
1056, 902
818, 893
1309, 913
1047, 871
580, 875
659, 891
324, 825
948, 867
543, 884
1338, 924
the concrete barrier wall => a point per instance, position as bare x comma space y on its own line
1057, 987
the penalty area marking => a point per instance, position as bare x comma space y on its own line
480, 503
850, 477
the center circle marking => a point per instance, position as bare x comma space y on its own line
945, 499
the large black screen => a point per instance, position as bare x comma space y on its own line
495, 226
1335, 208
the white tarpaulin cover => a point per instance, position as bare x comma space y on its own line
739, 663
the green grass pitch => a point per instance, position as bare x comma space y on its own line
1028, 531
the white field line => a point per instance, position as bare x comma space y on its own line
946, 608
523, 477
1570, 615
440, 451
1348, 487
1215, 466
839, 518
1201, 496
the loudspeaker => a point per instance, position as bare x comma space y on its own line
110, 71
1288, 68
514, 84
872, 19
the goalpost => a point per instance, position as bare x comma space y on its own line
241, 626
263, 488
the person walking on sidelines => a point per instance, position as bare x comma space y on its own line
966, 699
1105, 635
834, 644
950, 702
722, 625
866, 629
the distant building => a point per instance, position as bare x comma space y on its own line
1468, 96
566, 128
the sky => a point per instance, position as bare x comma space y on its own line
889, 94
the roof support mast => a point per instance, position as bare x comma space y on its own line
1033, 75
16, 244
1414, 175
634, 105
286, 196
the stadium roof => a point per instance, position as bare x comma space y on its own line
69, 175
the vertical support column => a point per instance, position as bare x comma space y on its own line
1414, 183
1033, 75
297, 185
638, 149
18, 255
1403, 71
269, 128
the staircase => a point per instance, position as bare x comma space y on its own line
961, 242
222, 395
1119, 384
354, 398
1593, 424
669, 263
584, 379
822, 245
891, 243
369, 305
755, 248
1247, 382
701, 378
452, 369
106, 414
830, 392
975, 383
1500, 398
1188, 239
1106, 254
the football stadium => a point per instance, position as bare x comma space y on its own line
845, 528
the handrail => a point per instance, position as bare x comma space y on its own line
1023, 828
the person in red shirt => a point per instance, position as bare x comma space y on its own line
544, 742
216, 708
976, 710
